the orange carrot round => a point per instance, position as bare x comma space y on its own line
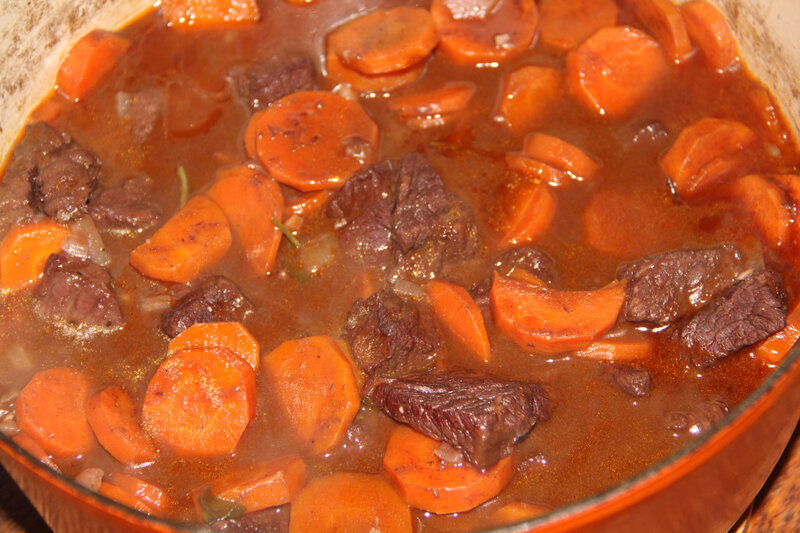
766, 203
527, 95
91, 58
314, 387
349, 501
51, 409
200, 401
152, 496
112, 416
251, 135
340, 73
232, 336
710, 32
189, 243
385, 40
775, 348
705, 154
560, 155
427, 483
614, 70
28, 444
304, 204
316, 140
529, 215
251, 200
537, 171
436, 107
502, 33
628, 348
205, 13
553, 321
24, 252
663, 19
567, 23
112, 492
461, 316
264, 484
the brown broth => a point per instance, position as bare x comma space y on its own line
597, 435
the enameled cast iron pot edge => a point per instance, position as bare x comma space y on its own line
702, 487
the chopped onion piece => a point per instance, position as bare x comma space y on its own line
85, 242
91, 478
156, 303
408, 289
319, 252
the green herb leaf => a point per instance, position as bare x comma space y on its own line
292, 239
215, 508
184, 185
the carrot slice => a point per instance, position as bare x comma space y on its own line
314, 387
250, 201
316, 140
767, 206
614, 70
528, 94
567, 23
711, 33
304, 204
88, 61
436, 107
775, 348
460, 315
200, 401
232, 336
154, 497
24, 252
47, 111
251, 135
554, 321
204, 13
663, 19
189, 243
340, 73
385, 40
51, 409
560, 155
427, 483
349, 501
705, 154
505, 31
112, 416
27, 443
261, 485
112, 492
529, 215
536, 170
628, 348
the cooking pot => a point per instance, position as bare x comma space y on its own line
704, 487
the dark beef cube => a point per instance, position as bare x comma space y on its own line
261, 83
481, 417
142, 109
63, 181
665, 287
528, 258
699, 419
213, 299
632, 381
126, 208
270, 520
387, 335
421, 201
748, 313
363, 208
77, 293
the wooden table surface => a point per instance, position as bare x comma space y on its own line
776, 510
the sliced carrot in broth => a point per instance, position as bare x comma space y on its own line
663, 19
768, 207
530, 213
567, 23
25, 249
112, 416
460, 315
340, 73
204, 13
560, 154
709, 30
528, 93
89, 60
232, 336
627, 348
775, 348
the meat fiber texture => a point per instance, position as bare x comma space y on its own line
212, 299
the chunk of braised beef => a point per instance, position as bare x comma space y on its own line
481, 417
142, 109
270, 520
631, 380
260, 83
668, 286
212, 299
749, 312
364, 208
699, 419
387, 335
401, 212
77, 293
126, 208
528, 258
